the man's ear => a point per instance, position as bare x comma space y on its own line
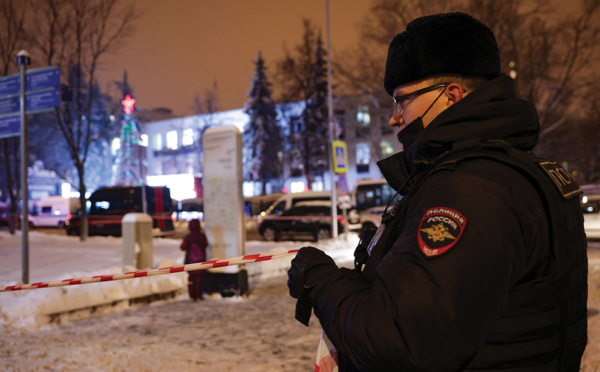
455, 93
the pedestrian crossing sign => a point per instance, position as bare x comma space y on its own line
340, 156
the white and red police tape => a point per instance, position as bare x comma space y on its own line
152, 272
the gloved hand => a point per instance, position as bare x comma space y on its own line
306, 259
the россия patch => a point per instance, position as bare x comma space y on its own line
439, 230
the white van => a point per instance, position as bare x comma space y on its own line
53, 211
370, 198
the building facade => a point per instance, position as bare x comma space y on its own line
174, 154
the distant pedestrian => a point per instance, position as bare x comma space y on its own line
194, 244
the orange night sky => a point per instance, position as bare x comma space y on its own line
180, 47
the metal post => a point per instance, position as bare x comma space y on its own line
22, 61
334, 226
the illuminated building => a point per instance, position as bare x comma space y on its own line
174, 153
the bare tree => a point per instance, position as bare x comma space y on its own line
295, 70
206, 118
552, 55
12, 38
75, 35
361, 68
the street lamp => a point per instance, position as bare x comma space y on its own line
23, 61
334, 226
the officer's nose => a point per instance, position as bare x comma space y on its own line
396, 119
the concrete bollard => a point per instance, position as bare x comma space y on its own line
137, 240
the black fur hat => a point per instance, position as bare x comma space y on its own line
450, 43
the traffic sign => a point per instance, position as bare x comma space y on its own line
343, 184
36, 79
340, 156
10, 126
35, 102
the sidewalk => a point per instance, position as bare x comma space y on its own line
57, 257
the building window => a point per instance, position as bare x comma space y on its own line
296, 125
362, 115
363, 119
115, 145
157, 142
172, 140
363, 157
387, 149
143, 140
339, 117
187, 137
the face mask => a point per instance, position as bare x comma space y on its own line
408, 135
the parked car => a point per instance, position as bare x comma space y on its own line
5, 215
188, 209
305, 220
287, 201
108, 205
591, 214
53, 211
255, 205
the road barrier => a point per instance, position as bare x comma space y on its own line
152, 272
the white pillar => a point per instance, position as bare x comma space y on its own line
138, 249
224, 206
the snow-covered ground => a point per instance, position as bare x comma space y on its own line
58, 257
257, 333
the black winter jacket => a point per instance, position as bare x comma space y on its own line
449, 273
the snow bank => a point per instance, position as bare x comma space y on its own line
38, 307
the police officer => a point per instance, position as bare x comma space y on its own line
482, 265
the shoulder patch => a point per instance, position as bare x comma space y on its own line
563, 180
439, 230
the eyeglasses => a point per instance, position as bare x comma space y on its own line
399, 100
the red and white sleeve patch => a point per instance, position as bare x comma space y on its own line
439, 230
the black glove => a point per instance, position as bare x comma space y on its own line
306, 259
298, 282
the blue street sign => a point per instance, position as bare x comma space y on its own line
35, 79
10, 85
36, 101
44, 100
38, 79
10, 126
10, 105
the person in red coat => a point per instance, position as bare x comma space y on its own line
194, 244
